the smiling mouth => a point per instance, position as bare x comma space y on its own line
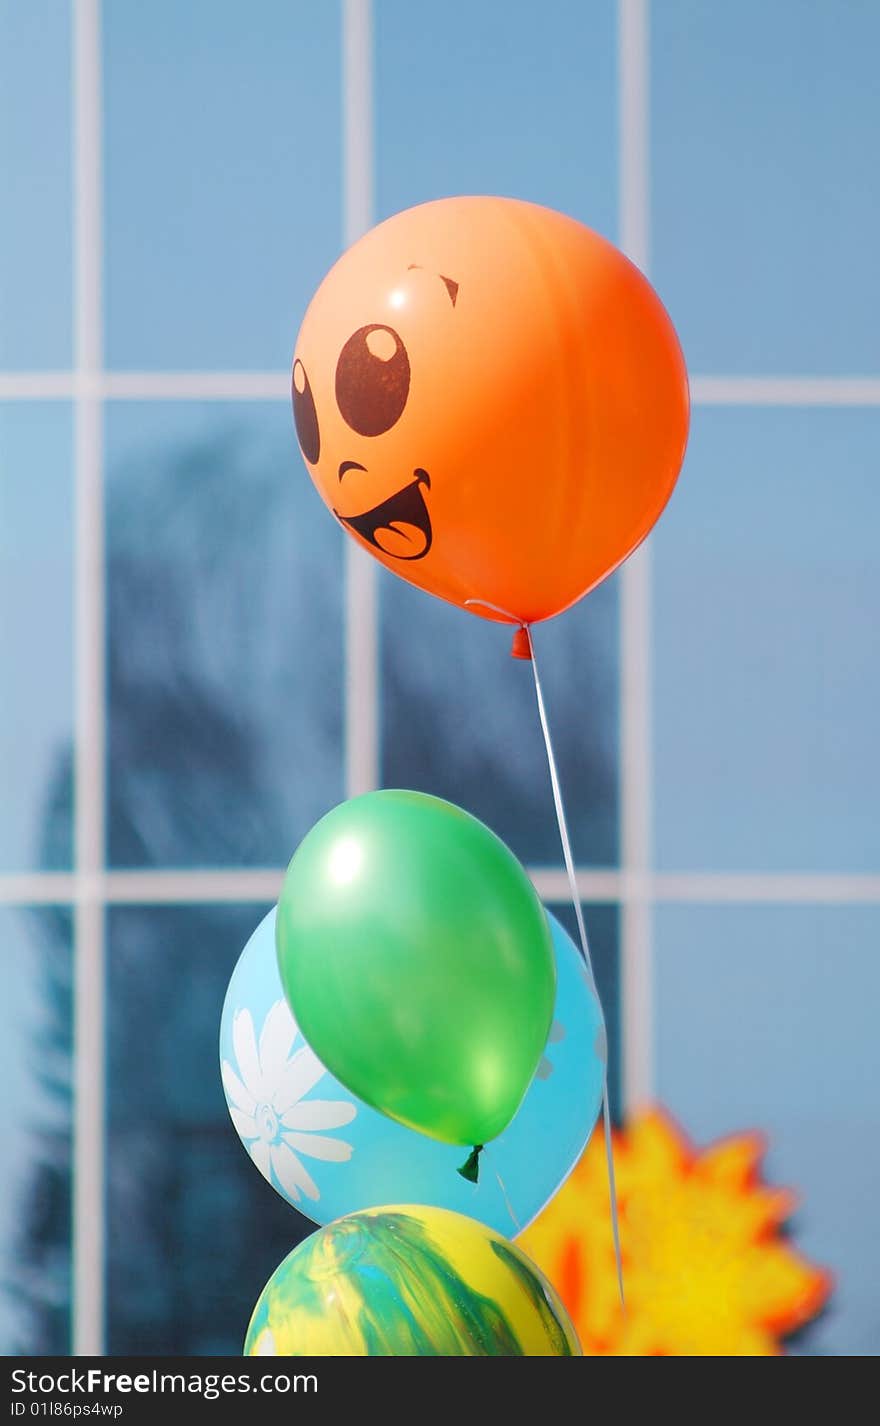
401, 525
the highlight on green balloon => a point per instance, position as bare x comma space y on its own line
418, 962
409, 1281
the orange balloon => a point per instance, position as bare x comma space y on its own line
493, 401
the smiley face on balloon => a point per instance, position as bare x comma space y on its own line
492, 400
371, 390
386, 502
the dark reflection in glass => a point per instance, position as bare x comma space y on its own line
460, 721
194, 1231
603, 934
35, 1077
36, 627
225, 642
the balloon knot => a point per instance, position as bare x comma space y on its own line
521, 648
470, 1169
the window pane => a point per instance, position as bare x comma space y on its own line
222, 189
36, 636
225, 637
766, 1019
194, 1231
766, 209
766, 680
36, 273
487, 98
460, 719
36, 1076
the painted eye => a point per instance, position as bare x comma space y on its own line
304, 414
372, 380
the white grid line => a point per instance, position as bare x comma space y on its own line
88, 1102
145, 385
275, 386
635, 611
785, 390
361, 584
797, 888
37, 385
155, 887
168, 887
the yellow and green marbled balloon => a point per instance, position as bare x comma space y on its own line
407, 1282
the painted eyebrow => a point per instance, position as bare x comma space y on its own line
448, 282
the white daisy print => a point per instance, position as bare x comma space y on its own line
266, 1089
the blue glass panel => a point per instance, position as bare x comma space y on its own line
225, 589
222, 156
194, 1231
766, 212
460, 718
766, 1018
492, 98
36, 655
766, 677
36, 1107
36, 275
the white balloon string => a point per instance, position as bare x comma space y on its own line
579, 915
507, 1203
585, 948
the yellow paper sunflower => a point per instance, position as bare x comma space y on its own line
707, 1270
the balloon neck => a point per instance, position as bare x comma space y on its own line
470, 1169
521, 647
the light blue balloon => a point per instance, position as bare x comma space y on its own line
330, 1154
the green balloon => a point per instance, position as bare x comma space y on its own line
418, 962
